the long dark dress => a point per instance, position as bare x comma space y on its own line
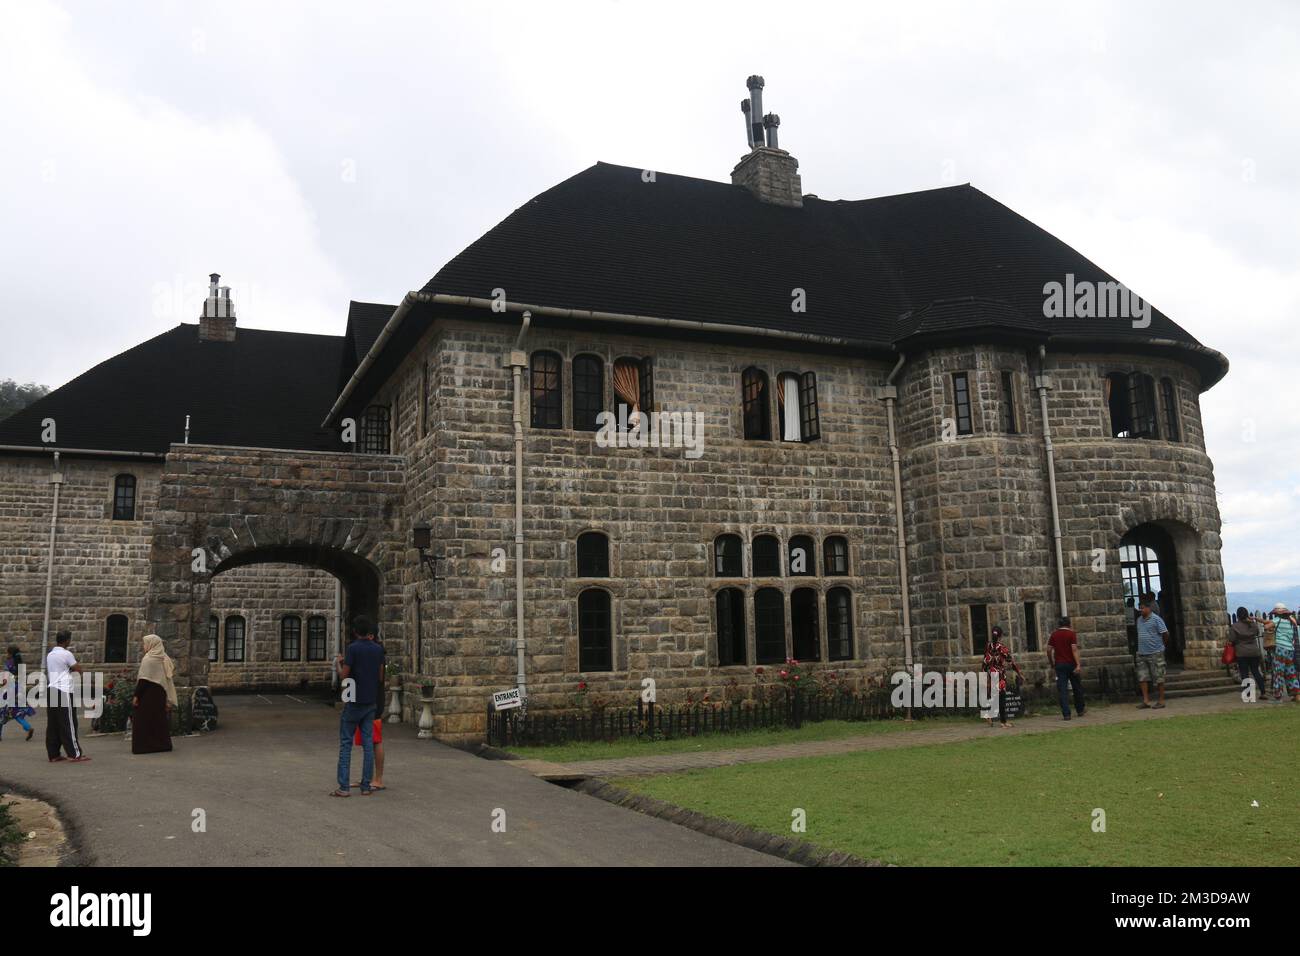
149, 723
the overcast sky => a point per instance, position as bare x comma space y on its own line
318, 153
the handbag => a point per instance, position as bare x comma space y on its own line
1229, 654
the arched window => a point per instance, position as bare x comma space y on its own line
755, 404
837, 555
115, 631
731, 627
803, 556
588, 392
235, 632
316, 638
124, 498
769, 626
290, 638
1169, 393
595, 631
375, 431
545, 380
804, 631
593, 555
214, 637
728, 560
839, 624
766, 552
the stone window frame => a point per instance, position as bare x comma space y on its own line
326, 644
769, 394
610, 556
1009, 405
808, 402
713, 556
126, 636
119, 482
746, 610
617, 664
781, 569
424, 397
559, 389
287, 616
1170, 398
972, 402
376, 437
852, 613
968, 620
603, 379
214, 639
225, 637
812, 557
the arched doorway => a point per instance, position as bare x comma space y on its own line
1149, 565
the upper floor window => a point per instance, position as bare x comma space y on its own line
837, 555
1131, 398
115, 631
766, 552
1169, 394
961, 401
124, 498
316, 629
290, 638
593, 555
796, 399
424, 399
634, 387
755, 404
375, 431
545, 378
728, 559
803, 555
588, 392
1009, 423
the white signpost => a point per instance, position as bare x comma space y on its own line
506, 699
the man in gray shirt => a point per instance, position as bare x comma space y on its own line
1153, 635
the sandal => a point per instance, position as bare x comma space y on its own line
340, 793
377, 789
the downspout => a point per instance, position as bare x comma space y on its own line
1043, 384
517, 360
56, 479
890, 396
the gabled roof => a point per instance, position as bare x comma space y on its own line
265, 389
682, 248
365, 321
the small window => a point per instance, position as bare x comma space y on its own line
731, 627
803, 556
593, 555
1031, 626
375, 431
979, 627
115, 631
1169, 392
1117, 401
766, 556
755, 404
1009, 423
290, 638
1142, 405
769, 626
837, 555
728, 556
544, 380
839, 624
961, 399
234, 639
647, 384
588, 392
805, 633
595, 632
316, 630
634, 387
124, 498
214, 638
424, 399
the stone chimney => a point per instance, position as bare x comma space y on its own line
770, 173
217, 324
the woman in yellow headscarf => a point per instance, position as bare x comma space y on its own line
155, 698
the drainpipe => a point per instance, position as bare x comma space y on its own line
1043, 384
517, 360
890, 396
56, 479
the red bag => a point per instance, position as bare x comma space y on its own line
1229, 654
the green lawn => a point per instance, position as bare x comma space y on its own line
1176, 792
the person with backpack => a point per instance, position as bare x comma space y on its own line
1247, 642
1285, 682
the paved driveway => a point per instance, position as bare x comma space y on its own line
263, 781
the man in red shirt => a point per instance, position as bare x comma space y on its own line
1063, 655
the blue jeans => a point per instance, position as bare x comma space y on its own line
354, 716
1065, 679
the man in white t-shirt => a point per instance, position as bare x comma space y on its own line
61, 730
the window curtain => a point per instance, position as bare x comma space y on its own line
788, 384
627, 386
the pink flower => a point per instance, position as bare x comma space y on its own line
785, 674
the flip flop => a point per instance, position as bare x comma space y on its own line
340, 793
377, 789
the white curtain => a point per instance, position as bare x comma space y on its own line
788, 393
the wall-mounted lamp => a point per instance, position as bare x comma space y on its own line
422, 541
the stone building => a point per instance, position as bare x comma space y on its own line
883, 440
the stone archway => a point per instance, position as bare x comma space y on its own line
224, 508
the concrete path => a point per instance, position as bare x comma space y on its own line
915, 735
264, 778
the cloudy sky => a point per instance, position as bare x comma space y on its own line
317, 153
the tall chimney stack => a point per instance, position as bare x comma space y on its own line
767, 171
217, 323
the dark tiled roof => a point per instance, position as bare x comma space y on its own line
266, 389
694, 249
365, 321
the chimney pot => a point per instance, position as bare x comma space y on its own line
217, 323
768, 171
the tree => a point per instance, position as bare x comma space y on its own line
15, 397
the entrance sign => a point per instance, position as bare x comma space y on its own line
506, 699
